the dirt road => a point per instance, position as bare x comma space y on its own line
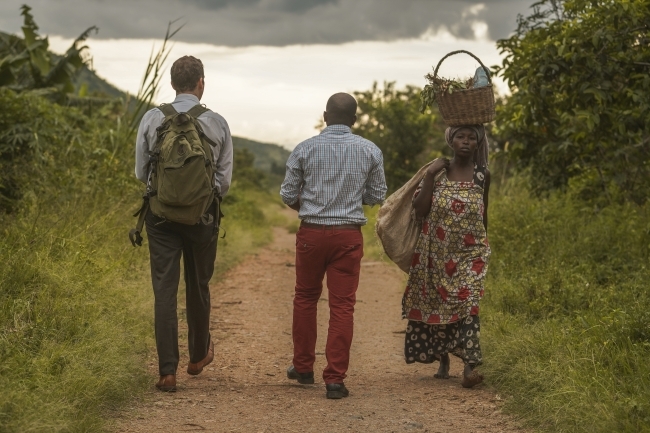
245, 389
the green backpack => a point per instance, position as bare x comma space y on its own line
182, 171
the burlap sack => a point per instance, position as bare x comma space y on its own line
396, 227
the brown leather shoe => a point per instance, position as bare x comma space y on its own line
167, 383
197, 368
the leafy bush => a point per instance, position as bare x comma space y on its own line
46, 147
580, 104
27, 63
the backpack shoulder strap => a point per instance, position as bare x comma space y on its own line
197, 110
167, 109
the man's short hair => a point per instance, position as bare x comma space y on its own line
341, 108
186, 73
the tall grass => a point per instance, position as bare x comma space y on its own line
567, 311
74, 318
76, 307
74, 310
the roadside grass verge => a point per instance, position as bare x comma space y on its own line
567, 312
372, 248
74, 318
76, 310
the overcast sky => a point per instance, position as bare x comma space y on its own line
268, 22
271, 64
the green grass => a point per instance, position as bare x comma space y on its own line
74, 319
372, 248
566, 312
76, 309
249, 216
74, 306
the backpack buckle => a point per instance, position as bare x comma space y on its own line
135, 237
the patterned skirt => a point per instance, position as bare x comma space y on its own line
426, 343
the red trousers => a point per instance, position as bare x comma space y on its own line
337, 253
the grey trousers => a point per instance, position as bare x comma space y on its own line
197, 244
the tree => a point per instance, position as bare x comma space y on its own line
27, 64
391, 119
579, 112
244, 171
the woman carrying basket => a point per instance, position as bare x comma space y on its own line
449, 264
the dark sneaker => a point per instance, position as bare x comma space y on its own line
336, 390
304, 378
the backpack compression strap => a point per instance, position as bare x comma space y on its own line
135, 235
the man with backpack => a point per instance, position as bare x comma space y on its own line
329, 177
184, 155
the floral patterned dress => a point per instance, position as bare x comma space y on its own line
446, 279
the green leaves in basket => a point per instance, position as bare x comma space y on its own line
437, 85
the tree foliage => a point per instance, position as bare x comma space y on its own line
31, 127
579, 113
391, 119
27, 63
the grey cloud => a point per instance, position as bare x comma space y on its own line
268, 22
292, 6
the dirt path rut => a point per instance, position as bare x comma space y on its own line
245, 389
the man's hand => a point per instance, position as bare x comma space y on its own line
295, 206
437, 165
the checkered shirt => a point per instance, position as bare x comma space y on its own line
333, 174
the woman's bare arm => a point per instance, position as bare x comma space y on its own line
422, 203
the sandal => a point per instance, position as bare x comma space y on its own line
474, 378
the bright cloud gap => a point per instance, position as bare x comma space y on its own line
278, 94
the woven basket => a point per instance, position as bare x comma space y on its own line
468, 106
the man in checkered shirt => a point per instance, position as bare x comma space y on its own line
329, 177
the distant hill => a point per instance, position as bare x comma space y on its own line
268, 157
97, 86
